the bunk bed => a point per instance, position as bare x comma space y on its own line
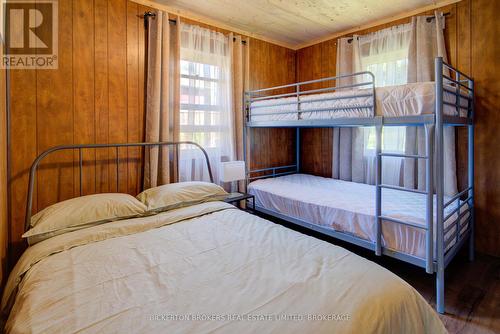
421, 227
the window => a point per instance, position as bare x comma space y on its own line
385, 54
390, 67
200, 112
393, 140
205, 101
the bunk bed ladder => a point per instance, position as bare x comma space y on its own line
428, 192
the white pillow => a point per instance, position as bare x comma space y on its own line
177, 195
81, 212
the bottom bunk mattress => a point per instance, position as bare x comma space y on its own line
350, 207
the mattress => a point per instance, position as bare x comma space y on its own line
392, 101
350, 207
206, 268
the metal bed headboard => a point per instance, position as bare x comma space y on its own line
81, 147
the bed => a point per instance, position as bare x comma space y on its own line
349, 207
428, 229
196, 266
207, 268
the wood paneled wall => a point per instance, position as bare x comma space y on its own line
97, 96
471, 36
271, 65
485, 69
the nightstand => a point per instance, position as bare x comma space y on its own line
236, 198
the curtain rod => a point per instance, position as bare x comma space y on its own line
149, 14
429, 19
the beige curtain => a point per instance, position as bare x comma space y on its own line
427, 42
348, 161
240, 54
348, 59
162, 99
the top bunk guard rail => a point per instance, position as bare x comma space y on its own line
343, 76
256, 95
80, 148
305, 92
460, 85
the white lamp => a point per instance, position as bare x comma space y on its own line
232, 171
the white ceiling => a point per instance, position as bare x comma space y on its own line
295, 22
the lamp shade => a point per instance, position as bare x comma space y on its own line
232, 171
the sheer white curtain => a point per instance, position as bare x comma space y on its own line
205, 112
385, 53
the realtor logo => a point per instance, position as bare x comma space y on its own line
29, 32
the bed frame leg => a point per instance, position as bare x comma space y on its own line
470, 158
472, 254
440, 291
438, 67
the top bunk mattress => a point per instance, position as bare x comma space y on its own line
392, 101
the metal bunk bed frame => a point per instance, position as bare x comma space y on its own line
457, 83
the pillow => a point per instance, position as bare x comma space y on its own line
178, 195
81, 212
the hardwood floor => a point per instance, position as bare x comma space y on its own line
472, 292
472, 288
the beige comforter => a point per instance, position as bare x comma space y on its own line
217, 269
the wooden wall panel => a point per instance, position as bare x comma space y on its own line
141, 85
316, 62
134, 27
83, 93
101, 92
316, 151
271, 65
96, 95
117, 86
470, 36
22, 151
486, 70
55, 117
